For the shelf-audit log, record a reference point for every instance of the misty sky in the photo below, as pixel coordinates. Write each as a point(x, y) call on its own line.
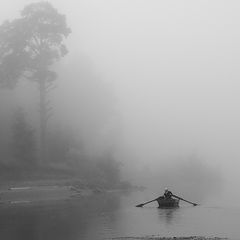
point(174, 66)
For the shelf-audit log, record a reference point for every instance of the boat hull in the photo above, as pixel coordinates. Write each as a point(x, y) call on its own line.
point(168, 203)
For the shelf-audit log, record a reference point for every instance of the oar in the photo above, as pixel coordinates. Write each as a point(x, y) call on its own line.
point(141, 205)
point(194, 204)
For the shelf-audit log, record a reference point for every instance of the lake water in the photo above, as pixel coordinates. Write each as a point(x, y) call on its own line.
point(113, 215)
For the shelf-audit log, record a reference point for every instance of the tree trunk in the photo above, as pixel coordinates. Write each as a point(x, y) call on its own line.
point(43, 121)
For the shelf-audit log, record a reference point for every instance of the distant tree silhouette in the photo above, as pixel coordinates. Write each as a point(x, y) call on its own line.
point(23, 142)
point(59, 143)
point(29, 46)
point(110, 168)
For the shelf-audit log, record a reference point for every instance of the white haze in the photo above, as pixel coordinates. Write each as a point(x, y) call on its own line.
point(174, 67)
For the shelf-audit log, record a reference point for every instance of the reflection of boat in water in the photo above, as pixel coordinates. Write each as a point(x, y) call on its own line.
point(168, 202)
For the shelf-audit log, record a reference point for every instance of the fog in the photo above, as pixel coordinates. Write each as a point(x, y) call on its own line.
point(159, 80)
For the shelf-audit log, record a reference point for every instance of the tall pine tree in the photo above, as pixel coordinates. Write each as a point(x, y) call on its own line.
point(29, 46)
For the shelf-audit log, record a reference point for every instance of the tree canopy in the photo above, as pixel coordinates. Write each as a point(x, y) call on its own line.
point(32, 43)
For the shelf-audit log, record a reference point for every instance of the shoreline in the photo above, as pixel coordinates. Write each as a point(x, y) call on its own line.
point(26, 192)
point(169, 238)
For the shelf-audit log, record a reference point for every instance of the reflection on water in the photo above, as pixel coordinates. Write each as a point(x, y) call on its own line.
point(112, 215)
point(55, 220)
point(168, 215)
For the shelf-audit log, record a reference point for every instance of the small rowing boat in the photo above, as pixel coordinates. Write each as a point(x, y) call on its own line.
point(168, 202)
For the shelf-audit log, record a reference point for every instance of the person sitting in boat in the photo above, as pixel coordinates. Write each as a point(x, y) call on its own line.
point(167, 194)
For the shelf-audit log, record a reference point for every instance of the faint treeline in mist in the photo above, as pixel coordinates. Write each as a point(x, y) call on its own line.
point(71, 137)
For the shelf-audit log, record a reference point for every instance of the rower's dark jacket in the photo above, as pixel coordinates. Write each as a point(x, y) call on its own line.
point(168, 194)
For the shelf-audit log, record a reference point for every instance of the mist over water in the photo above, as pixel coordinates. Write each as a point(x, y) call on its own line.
point(147, 87)
point(174, 74)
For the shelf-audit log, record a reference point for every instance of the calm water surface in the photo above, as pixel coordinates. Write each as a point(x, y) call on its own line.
point(113, 215)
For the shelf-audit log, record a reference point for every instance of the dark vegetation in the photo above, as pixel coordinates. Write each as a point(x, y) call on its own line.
point(30, 48)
